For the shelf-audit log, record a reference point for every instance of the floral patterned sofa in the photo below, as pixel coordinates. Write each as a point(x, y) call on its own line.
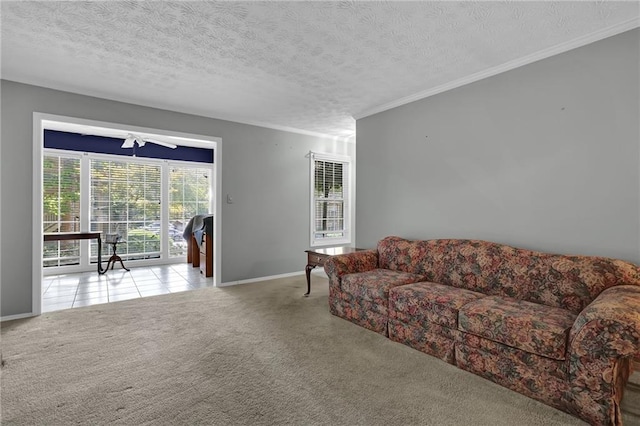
point(560, 329)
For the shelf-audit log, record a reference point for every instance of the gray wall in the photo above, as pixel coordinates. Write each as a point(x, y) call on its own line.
point(545, 157)
point(264, 232)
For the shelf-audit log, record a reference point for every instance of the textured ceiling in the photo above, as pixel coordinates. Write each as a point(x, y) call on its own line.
point(310, 66)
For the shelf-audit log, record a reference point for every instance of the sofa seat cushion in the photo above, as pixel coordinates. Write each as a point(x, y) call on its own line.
point(373, 286)
point(429, 302)
point(531, 327)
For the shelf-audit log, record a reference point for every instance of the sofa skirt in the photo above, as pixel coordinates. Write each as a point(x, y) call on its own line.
point(358, 314)
point(434, 339)
point(540, 384)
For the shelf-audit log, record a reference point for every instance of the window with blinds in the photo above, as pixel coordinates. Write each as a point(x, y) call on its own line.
point(61, 208)
point(125, 200)
point(329, 204)
point(146, 201)
point(189, 195)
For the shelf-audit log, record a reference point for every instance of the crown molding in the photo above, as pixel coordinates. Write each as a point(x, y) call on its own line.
point(507, 66)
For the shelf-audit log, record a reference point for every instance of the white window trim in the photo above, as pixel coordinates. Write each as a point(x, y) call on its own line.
point(347, 188)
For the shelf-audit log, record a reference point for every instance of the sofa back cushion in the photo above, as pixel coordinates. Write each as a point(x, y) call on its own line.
point(568, 282)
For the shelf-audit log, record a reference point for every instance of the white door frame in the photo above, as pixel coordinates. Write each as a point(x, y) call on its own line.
point(40, 121)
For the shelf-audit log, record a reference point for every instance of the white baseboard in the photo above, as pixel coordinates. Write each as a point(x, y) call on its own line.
point(254, 280)
point(17, 316)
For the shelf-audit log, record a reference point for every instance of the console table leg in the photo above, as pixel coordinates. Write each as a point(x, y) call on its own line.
point(100, 270)
point(308, 269)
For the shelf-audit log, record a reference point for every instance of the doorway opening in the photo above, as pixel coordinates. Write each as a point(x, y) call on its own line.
point(140, 185)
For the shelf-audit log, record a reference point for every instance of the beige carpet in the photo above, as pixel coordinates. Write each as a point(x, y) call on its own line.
point(256, 354)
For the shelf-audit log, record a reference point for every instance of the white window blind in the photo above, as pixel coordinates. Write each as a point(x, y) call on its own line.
point(125, 200)
point(330, 200)
point(61, 208)
point(148, 202)
point(189, 195)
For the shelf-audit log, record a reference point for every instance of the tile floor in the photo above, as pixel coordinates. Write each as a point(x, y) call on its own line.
point(88, 288)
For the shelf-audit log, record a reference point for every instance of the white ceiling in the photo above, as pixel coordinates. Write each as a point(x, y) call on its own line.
point(304, 66)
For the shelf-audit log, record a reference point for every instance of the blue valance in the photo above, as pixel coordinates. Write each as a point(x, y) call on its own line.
point(106, 145)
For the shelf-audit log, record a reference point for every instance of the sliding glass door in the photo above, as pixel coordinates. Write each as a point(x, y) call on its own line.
point(147, 202)
point(126, 200)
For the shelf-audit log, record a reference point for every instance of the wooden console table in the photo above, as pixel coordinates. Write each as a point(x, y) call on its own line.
point(66, 236)
point(317, 257)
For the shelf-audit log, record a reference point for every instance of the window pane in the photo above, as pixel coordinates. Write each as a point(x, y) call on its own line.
point(189, 195)
point(329, 199)
point(61, 208)
point(125, 200)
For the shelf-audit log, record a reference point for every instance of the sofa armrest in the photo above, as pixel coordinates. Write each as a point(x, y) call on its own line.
point(360, 261)
point(610, 326)
point(602, 341)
